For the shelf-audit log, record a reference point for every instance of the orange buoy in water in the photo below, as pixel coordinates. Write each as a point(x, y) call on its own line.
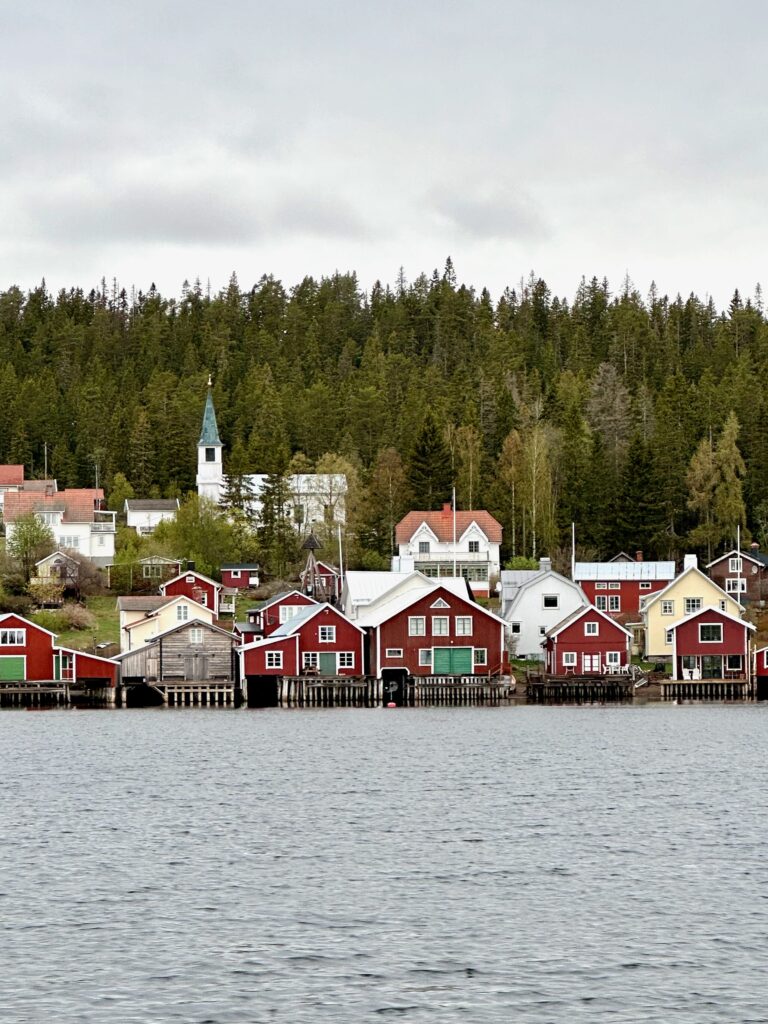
point(391, 704)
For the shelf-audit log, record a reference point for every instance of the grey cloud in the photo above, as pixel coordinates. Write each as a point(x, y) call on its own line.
point(490, 214)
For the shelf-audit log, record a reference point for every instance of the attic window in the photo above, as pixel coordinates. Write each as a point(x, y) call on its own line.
point(474, 546)
point(440, 603)
point(190, 579)
point(423, 547)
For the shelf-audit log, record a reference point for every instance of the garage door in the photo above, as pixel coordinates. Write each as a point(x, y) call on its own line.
point(12, 667)
point(452, 661)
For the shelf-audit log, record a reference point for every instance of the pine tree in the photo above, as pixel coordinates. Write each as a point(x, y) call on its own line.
point(429, 468)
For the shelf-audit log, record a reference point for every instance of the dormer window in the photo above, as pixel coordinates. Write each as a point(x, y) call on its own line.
point(423, 547)
point(474, 546)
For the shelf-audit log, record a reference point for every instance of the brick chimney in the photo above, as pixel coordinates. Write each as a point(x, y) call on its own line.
point(447, 510)
point(638, 556)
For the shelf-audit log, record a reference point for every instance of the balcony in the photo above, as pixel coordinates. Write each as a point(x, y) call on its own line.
point(448, 556)
point(103, 522)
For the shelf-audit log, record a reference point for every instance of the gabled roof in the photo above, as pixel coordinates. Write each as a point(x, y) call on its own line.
point(710, 609)
point(209, 434)
point(540, 577)
point(165, 602)
point(183, 575)
point(78, 504)
point(11, 476)
point(750, 556)
point(647, 600)
point(198, 623)
point(28, 623)
point(642, 571)
point(57, 554)
point(441, 524)
point(381, 611)
point(151, 504)
point(140, 602)
point(577, 614)
point(263, 605)
point(292, 625)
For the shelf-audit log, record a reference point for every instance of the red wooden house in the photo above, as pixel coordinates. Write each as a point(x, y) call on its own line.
point(587, 642)
point(194, 585)
point(30, 653)
point(240, 575)
point(265, 618)
point(710, 644)
point(618, 586)
point(741, 574)
point(318, 640)
point(433, 631)
point(760, 666)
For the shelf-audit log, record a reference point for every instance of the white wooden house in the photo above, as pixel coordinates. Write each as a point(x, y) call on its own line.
point(533, 603)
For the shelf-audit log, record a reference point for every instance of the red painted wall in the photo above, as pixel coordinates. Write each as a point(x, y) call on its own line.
point(628, 592)
point(348, 638)
point(192, 590)
point(734, 636)
point(486, 632)
point(88, 667)
point(38, 648)
point(255, 660)
point(270, 617)
point(574, 640)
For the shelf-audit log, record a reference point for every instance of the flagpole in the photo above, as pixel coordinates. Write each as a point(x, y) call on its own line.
point(453, 502)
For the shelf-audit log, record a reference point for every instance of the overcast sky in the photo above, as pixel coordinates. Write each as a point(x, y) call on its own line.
point(157, 140)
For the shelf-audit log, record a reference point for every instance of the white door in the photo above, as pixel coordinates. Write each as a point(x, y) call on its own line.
point(590, 662)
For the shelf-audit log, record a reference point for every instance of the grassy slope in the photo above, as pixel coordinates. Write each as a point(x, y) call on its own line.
point(107, 629)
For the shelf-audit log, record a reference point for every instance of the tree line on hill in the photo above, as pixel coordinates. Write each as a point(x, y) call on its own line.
point(641, 419)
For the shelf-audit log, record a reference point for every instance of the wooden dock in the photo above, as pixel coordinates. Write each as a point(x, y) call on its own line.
point(705, 691)
point(185, 693)
point(593, 689)
point(38, 695)
point(460, 691)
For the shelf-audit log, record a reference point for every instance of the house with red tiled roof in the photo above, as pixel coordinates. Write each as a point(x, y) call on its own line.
point(76, 518)
point(450, 542)
point(11, 479)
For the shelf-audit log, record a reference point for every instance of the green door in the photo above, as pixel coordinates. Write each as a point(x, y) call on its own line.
point(327, 664)
point(452, 661)
point(12, 668)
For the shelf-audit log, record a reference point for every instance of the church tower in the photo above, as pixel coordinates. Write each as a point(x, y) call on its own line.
point(210, 467)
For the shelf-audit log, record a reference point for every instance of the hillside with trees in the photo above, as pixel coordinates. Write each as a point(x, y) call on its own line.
point(638, 417)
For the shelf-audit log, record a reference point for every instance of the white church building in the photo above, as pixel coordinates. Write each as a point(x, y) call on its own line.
point(315, 497)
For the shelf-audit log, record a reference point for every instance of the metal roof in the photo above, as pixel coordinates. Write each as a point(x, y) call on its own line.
point(624, 571)
point(210, 431)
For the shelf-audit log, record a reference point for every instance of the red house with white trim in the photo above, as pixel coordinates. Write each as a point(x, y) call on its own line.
point(587, 642)
point(327, 576)
point(760, 666)
point(433, 630)
point(318, 640)
point(29, 653)
point(710, 644)
point(268, 616)
point(240, 575)
point(195, 586)
point(617, 587)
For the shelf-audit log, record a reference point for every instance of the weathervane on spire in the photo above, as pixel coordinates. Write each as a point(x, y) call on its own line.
point(210, 381)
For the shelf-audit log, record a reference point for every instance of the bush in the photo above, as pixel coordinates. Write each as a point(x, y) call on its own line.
point(77, 616)
point(20, 604)
point(49, 620)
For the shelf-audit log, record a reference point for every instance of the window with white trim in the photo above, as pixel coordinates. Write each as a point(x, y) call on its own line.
point(614, 603)
point(69, 541)
point(710, 632)
point(613, 658)
point(423, 547)
point(733, 662)
point(440, 603)
point(515, 629)
point(346, 659)
point(723, 605)
point(152, 571)
point(591, 629)
point(196, 635)
point(440, 625)
point(668, 636)
point(326, 635)
point(614, 586)
point(645, 586)
point(601, 602)
point(551, 600)
point(288, 611)
point(393, 652)
point(190, 579)
point(463, 625)
point(692, 604)
point(542, 630)
point(425, 656)
point(310, 659)
point(735, 564)
point(417, 625)
point(474, 546)
point(274, 659)
point(667, 607)
point(202, 598)
point(600, 586)
point(481, 655)
point(182, 613)
point(569, 659)
point(235, 574)
point(735, 585)
point(13, 637)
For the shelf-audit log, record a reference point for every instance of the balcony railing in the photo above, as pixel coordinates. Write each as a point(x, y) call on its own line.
point(448, 556)
point(103, 528)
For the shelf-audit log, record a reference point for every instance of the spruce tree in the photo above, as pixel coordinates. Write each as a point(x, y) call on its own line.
point(429, 469)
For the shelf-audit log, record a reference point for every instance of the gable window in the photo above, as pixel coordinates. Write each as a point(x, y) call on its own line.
point(645, 586)
point(481, 655)
point(346, 659)
point(668, 636)
point(210, 454)
point(591, 629)
point(327, 634)
point(394, 652)
point(735, 564)
point(287, 611)
point(735, 585)
point(710, 632)
point(423, 547)
point(13, 637)
point(463, 625)
point(667, 607)
point(474, 546)
point(601, 602)
point(274, 659)
point(190, 579)
point(417, 625)
point(196, 636)
point(551, 601)
point(425, 656)
point(203, 599)
point(440, 625)
point(692, 604)
point(614, 603)
point(182, 613)
point(569, 659)
point(440, 603)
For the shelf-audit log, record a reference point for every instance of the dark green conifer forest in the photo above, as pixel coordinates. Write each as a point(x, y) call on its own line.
point(641, 418)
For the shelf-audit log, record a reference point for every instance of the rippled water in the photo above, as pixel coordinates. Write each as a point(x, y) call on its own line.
point(457, 865)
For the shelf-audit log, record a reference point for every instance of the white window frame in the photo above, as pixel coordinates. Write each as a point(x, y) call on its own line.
point(614, 602)
point(273, 659)
point(441, 625)
point(235, 574)
point(463, 625)
point(326, 635)
point(668, 636)
point(734, 668)
point(481, 656)
point(151, 571)
point(182, 613)
point(203, 600)
point(711, 625)
point(423, 547)
point(310, 659)
point(196, 635)
point(613, 658)
point(516, 628)
point(601, 602)
point(735, 564)
point(393, 652)
point(570, 659)
point(550, 597)
point(591, 629)
point(735, 585)
point(13, 637)
point(601, 586)
point(542, 630)
point(417, 625)
point(614, 586)
point(645, 585)
point(190, 579)
point(474, 547)
point(692, 605)
point(425, 656)
point(345, 659)
point(667, 607)
point(287, 611)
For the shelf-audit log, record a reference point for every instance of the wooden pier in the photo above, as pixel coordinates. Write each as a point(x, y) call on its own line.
point(454, 690)
point(38, 695)
point(592, 689)
point(328, 691)
point(706, 690)
point(201, 694)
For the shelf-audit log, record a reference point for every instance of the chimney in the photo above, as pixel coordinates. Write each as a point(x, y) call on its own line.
point(447, 510)
point(638, 556)
point(754, 546)
point(545, 564)
point(690, 562)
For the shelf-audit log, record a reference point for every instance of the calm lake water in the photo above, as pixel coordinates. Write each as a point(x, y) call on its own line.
point(453, 865)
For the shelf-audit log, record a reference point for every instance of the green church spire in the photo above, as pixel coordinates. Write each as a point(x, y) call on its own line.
point(210, 432)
